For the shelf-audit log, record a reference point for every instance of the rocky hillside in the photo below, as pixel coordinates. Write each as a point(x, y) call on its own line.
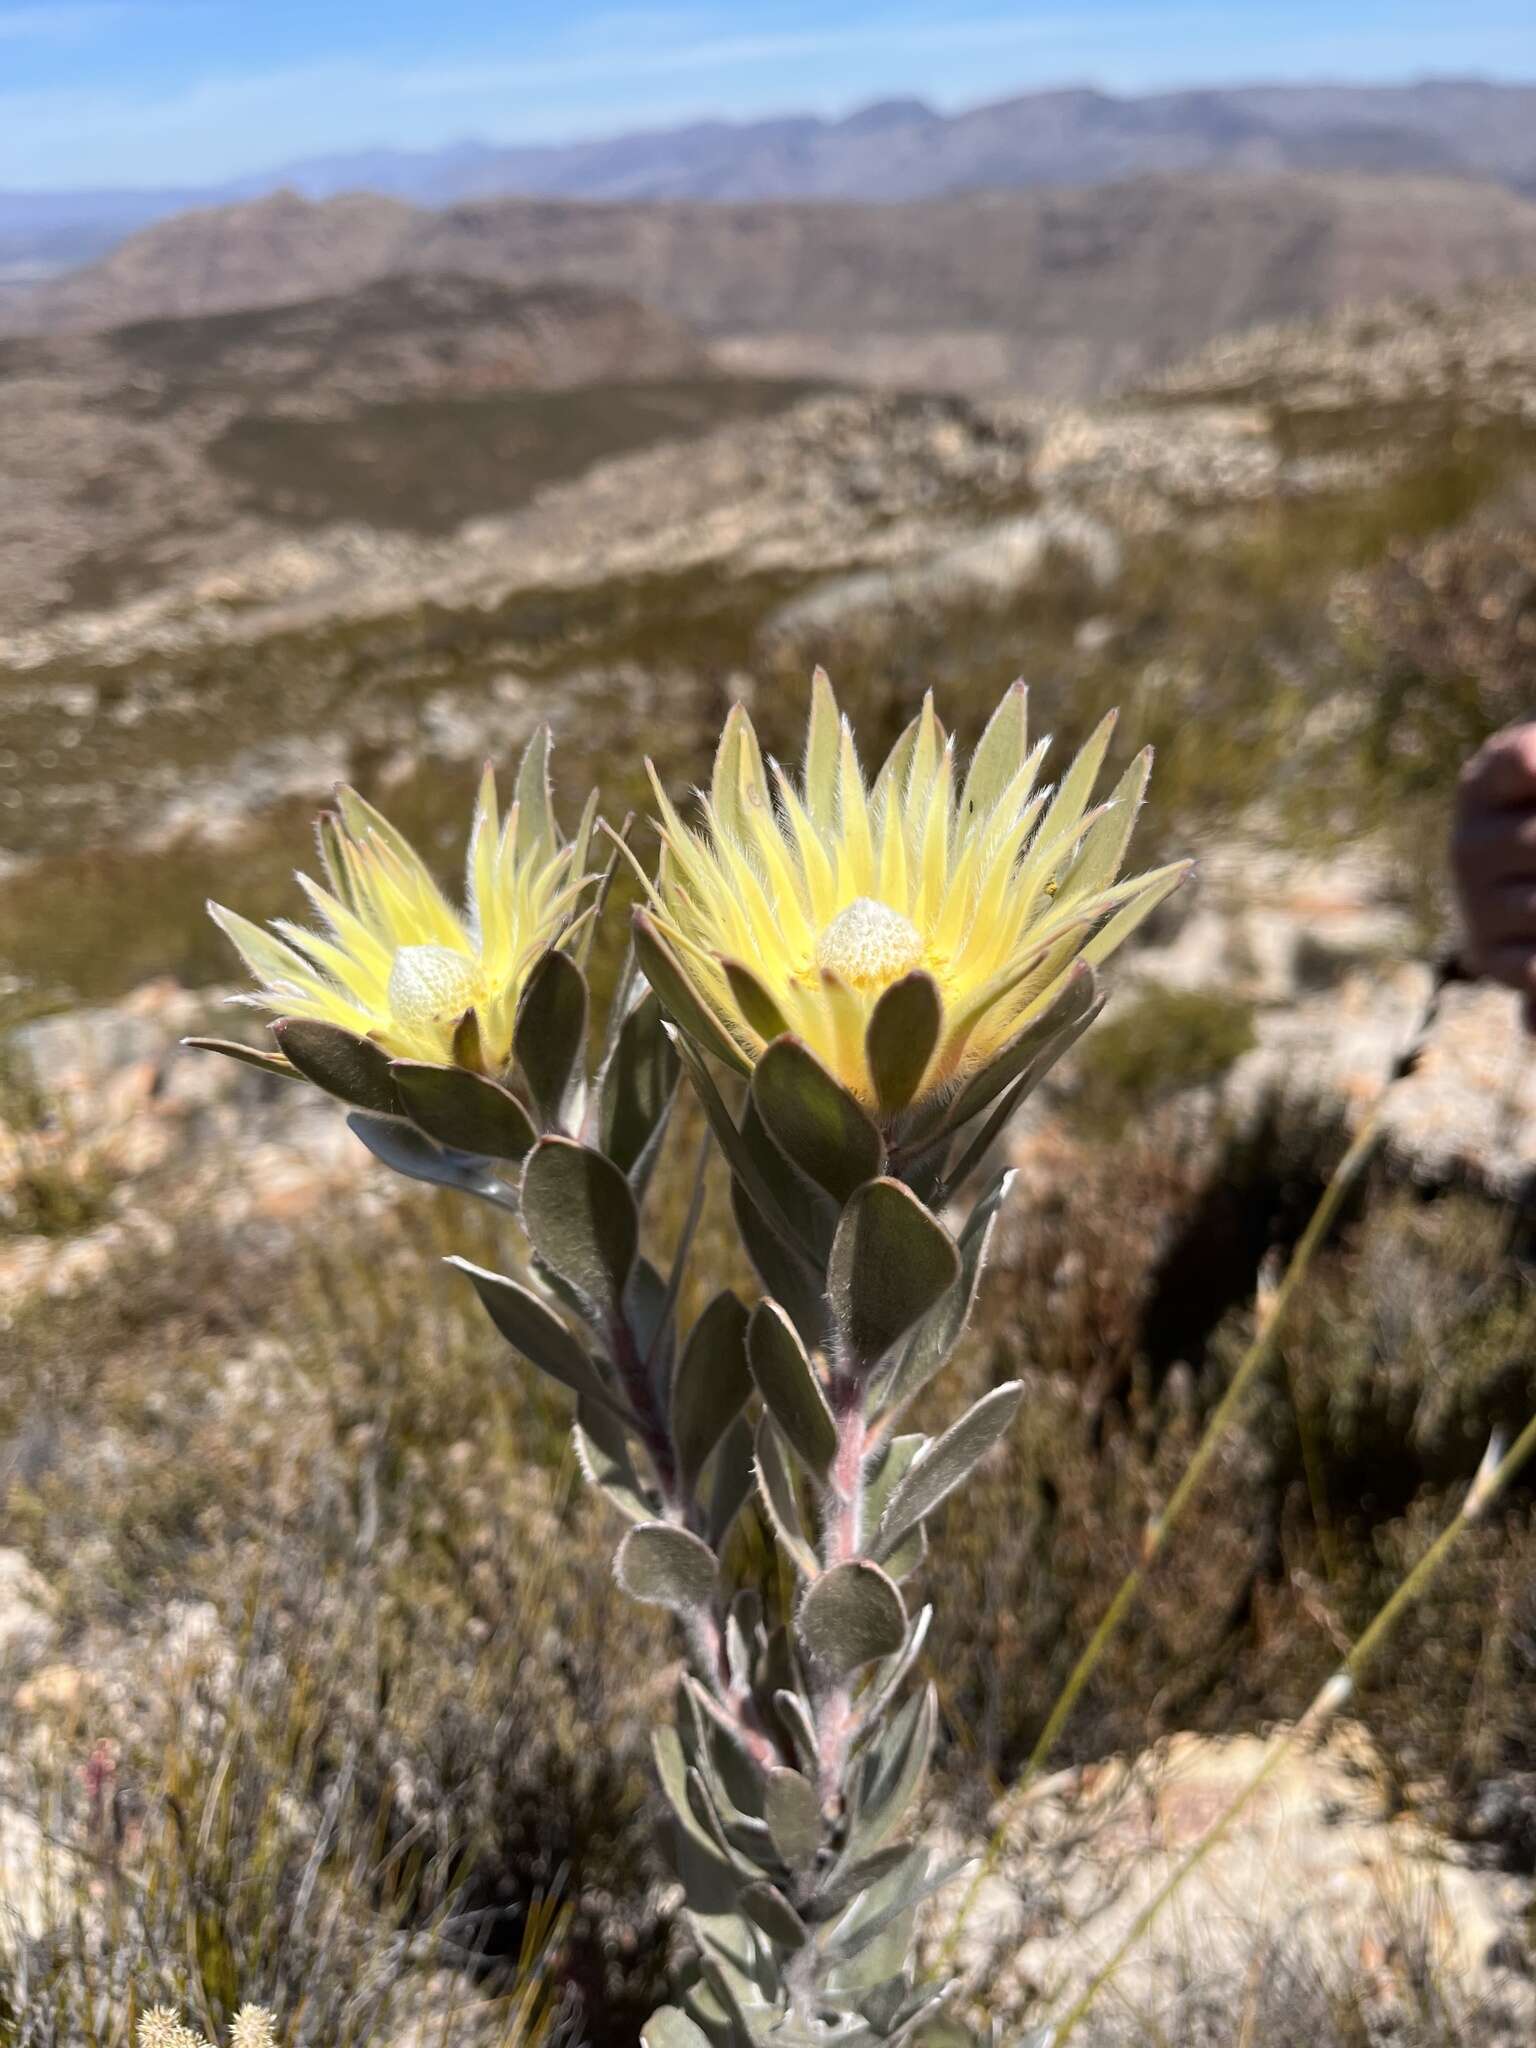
point(270, 1581)
point(1053, 292)
point(415, 402)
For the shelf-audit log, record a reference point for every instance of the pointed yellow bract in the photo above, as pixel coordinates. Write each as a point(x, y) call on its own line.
point(394, 961)
point(796, 906)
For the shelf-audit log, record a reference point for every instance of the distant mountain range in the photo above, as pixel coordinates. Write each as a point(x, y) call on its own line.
point(895, 150)
point(1057, 293)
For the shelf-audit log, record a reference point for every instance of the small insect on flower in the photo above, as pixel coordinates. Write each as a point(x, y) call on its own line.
point(904, 931)
point(395, 962)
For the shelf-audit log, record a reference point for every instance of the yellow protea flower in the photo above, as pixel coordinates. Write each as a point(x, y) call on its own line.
point(796, 908)
point(395, 962)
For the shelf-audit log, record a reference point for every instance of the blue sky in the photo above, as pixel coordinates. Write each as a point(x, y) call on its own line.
point(149, 92)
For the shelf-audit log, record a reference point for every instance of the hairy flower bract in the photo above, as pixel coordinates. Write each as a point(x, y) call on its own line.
point(796, 905)
point(394, 960)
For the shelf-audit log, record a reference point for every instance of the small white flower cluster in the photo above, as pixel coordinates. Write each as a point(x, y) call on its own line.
point(254, 2027)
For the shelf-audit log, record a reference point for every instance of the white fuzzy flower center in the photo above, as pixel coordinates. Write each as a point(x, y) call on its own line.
point(431, 986)
point(869, 945)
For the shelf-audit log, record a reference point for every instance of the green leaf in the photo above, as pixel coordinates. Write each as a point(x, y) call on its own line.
point(946, 1464)
point(768, 1908)
point(539, 1336)
point(903, 1031)
point(787, 1381)
point(932, 1343)
point(792, 1810)
point(667, 1567)
point(604, 1461)
point(991, 1128)
point(850, 1616)
point(753, 1000)
point(745, 1167)
point(581, 1220)
point(798, 1726)
point(712, 1385)
point(786, 1274)
point(840, 1887)
point(888, 1779)
point(776, 1491)
point(249, 1055)
point(464, 1111)
point(339, 1062)
point(675, 991)
point(667, 2027)
point(639, 1081)
point(891, 1261)
point(551, 1031)
point(411, 1153)
point(819, 1125)
point(731, 1481)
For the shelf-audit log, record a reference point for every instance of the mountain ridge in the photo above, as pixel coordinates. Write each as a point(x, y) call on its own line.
point(888, 150)
point(1062, 291)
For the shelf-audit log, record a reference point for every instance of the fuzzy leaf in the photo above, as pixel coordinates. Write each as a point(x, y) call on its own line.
point(888, 1779)
point(1070, 1001)
point(903, 1031)
point(412, 1154)
point(339, 1062)
point(602, 1456)
point(785, 1273)
point(787, 1381)
point(932, 1343)
point(550, 1031)
point(776, 1491)
point(852, 1615)
point(712, 1385)
point(840, 1888)
point(793, 1813)
point(754, 1001)
point(768, 1908)
point(539, 1336)
point(998, 757)
point(891, 1261)
point(677, 996)
point(796, 1717)
point(581, 1219)
point(731, 1479)
point(820, 1127)
point(946, 1464)
point(639, 1081)
point(464, 1111)
point(819, 771)
point(666, 1567)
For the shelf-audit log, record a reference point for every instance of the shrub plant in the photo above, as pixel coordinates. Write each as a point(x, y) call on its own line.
point(862, 981)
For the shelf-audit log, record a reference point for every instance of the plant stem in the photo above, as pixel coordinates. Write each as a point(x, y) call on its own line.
point(1490, 1482)
point(842, 1536)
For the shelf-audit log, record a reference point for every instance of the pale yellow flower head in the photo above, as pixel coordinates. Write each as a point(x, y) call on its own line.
point(393, 960)
point(797, 905)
